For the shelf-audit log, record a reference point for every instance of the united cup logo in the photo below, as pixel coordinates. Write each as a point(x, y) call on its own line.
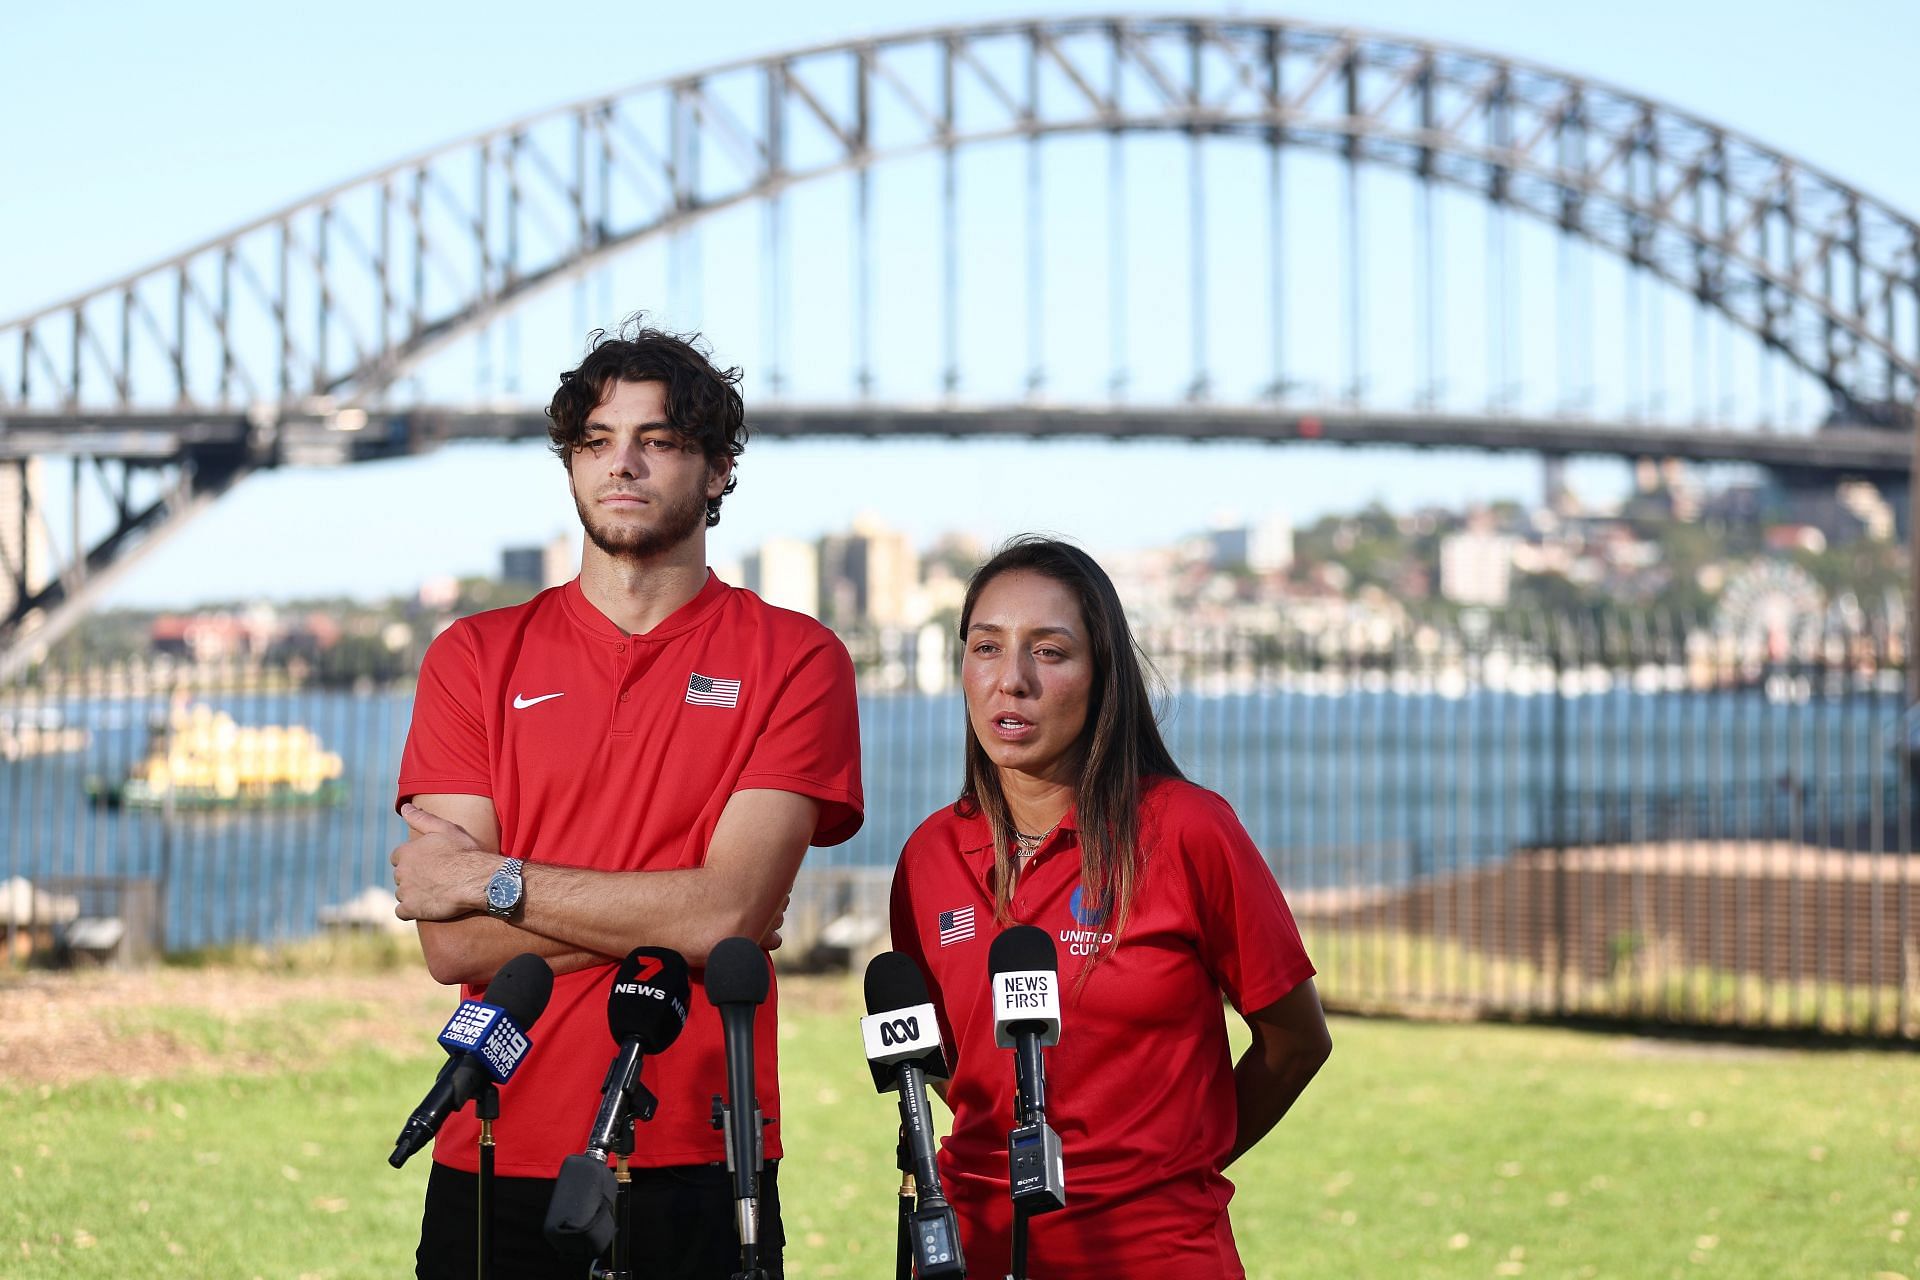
point(900, 1031)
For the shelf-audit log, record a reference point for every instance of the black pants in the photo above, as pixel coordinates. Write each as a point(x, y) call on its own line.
point(683, 1226)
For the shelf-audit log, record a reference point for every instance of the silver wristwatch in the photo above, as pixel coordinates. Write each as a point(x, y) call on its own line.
point(506, 891)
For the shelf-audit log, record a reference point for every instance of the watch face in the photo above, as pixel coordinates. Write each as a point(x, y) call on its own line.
point(502, 891)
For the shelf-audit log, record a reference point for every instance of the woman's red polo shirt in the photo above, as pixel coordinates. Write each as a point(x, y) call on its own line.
point(1140, 1087)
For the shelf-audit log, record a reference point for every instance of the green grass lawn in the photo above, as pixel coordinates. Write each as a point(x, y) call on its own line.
point(1422, 1150)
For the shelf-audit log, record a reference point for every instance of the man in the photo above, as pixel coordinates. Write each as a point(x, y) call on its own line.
point(641, 756)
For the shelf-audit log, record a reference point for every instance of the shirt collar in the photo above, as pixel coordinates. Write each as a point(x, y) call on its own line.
point(976, 833)
point(601, 627)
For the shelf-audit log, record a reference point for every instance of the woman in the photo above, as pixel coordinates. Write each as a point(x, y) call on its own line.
point(1074, 818)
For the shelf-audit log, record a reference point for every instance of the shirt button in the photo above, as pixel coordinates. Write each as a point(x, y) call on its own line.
point(625, 694)
point(619, 648)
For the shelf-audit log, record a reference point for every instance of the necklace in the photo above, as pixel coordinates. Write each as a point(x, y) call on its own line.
point(1028, 845)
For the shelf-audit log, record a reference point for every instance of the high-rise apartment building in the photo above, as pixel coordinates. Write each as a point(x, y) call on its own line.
point(785, 572)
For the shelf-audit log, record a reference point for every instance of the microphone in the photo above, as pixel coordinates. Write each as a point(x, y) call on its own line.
point(1026, 1017)
point(646, 1011)
point(737, 981)
point(902, 1036)
point(487, 1039)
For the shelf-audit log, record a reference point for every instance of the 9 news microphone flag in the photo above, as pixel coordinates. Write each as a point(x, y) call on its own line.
point(487, 1040)
point(646, 1011)
point(902, 1035)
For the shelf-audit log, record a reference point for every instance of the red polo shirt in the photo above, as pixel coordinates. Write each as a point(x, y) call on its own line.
point(617, 752)
point(1140, 1087)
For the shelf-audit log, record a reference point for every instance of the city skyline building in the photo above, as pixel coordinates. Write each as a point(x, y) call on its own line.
point(25, 550)
point(870, 572)
point(785, 572)
point(1476, 566)
point(548, 564)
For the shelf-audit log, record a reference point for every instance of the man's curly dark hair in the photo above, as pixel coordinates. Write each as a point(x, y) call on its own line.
point(703, 403)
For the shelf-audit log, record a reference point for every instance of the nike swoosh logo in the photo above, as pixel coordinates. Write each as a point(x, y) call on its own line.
point(521, 703)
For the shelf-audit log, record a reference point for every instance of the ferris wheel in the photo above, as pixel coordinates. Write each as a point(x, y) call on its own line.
point(1772, 607)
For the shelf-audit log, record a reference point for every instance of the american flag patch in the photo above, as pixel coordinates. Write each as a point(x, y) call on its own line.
point(705, 691)
point(956, 926)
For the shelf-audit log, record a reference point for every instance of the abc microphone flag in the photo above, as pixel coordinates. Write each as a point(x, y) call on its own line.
point(902, 1038)
point(901, 1035)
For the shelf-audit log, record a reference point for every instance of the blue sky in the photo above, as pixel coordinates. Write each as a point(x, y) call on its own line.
point(136, 130)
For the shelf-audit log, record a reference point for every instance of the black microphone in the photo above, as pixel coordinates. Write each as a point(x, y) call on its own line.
point(737, 981)
point(646, 1011)
point(902, 1035)
point(1026, 1018)
point(487, 1040)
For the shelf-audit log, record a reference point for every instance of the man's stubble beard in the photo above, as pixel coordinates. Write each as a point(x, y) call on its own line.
point(679, 520)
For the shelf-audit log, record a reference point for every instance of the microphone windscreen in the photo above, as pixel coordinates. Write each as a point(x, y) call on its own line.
point(738, 972)
point(580, 1215)
point(648, 1000)
point(894, 982)
point(1022, 949)
point(522, 987)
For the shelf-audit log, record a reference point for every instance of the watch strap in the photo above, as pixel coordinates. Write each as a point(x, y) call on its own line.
point(514, 869)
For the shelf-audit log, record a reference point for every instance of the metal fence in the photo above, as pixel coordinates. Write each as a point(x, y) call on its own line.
point(1639, 823)
point(197, 805)
point(1632, 821)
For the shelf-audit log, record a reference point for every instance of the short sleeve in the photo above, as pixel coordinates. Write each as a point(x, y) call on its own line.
point(906, 939)
point(910, 942)
point(1246, 934)
point(446, 747)
point(811, 745)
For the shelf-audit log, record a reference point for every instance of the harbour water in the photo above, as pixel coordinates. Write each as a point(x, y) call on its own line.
point(1363, 786)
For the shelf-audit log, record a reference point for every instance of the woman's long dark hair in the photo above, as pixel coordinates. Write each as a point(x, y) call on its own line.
point(1119, 747)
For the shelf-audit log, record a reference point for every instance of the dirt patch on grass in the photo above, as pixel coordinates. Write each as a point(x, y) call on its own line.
point(59, 1029)
point(832, 994)
point(62, 1028)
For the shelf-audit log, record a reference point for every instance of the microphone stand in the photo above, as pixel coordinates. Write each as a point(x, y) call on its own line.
point(487, 1108)
point(1031, 1086)
point(636, 1103)
point(903, 1262)
point(1026, 1062)
point(623, 1211)
point(622, 1206)
point(1019, 1243)
point(747, 1211)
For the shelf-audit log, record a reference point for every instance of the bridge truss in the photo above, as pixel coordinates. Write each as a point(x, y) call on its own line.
point(304, 335)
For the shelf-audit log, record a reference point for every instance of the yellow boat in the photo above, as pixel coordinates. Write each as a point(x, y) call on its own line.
point(202, 759)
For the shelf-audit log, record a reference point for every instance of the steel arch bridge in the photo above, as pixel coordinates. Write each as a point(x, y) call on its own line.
point(295, 336)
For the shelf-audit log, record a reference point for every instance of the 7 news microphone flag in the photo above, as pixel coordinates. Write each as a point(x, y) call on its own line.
point(487, 1040)
point(737, 980)
point(902, 1035)
point(1026, 1017)
point(646, 1011)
